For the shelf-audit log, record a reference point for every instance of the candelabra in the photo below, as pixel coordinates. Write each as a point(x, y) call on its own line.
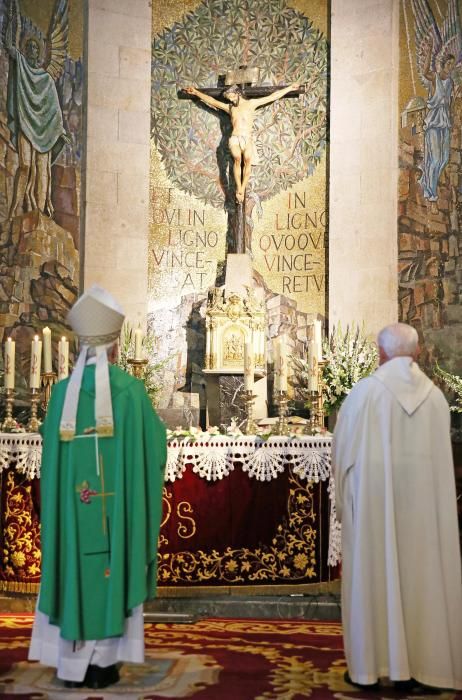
point(48, 379)
point(281, 401)
point(138, 368)
point(250, 427)
point(9, 421)
point(34, 423)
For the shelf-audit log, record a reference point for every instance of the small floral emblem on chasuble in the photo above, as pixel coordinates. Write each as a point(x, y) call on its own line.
point(85, 492)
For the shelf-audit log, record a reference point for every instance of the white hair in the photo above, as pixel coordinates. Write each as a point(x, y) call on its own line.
point(398, 339)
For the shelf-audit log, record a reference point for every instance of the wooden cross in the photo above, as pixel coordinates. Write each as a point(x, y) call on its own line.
point(244, 77)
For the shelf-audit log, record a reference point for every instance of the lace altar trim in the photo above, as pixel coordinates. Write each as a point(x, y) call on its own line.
point(24, 450)
point(215, 457)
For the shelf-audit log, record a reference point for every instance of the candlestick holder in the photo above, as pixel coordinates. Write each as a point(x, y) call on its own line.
point(281, 401)
point(34, 423)
point(138, 367)
point(48, 379)
point(312, 426)
point(9, 423)
point(250, 427)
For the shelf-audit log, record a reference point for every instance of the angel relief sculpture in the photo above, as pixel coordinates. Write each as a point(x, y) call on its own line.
point(439, 51)
point(35, 117)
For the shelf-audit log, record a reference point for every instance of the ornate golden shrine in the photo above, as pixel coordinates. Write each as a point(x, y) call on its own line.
point(231, 322)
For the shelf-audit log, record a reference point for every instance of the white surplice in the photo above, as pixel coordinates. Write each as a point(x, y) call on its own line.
point(396, 499)
point(71, 659)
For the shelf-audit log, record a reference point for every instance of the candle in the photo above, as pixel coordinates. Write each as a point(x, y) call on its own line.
point(280, 364)
point(63, 358)
point(248, 367)
point(312, 367)
point(283, 363)
point(138, 343)
point(261, 346)
point(35, 363)
point(317, 337)
point(9, 364)
point(47, 368)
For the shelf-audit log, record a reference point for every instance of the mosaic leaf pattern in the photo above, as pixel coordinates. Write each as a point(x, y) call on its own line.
point(290, 135)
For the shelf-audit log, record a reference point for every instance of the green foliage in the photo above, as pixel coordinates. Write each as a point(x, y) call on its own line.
point(454, 382)
point(152, 375)
point(349, 357)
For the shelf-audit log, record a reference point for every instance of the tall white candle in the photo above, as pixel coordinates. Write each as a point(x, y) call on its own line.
point(261, 346)
point(63, 358)
point(313, 384)
point(275, 353)
point(9, 363)
point(138, 343)
point(249, 367)
point(317, 337)
point(35, 363)
point(282, 363)
point(47, 367)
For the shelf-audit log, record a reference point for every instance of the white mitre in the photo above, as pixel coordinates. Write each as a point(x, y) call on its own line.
point(97, 319)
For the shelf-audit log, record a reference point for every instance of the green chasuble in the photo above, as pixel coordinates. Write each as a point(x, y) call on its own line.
point(101, 500)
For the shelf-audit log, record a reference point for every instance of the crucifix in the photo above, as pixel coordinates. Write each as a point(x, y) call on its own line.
point(243, 100)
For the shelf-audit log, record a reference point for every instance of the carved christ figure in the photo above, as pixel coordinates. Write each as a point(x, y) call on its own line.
point(242, 115)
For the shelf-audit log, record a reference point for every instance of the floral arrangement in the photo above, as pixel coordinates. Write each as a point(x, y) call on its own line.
point(349, 357)
point(152, 379)
point(16, 428)
point(454, 382)
point(190, 434)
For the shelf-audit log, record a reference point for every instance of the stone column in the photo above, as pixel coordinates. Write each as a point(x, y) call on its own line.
point(116, 195)
point(363, 276)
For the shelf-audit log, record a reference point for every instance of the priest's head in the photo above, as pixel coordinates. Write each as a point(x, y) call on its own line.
point(397, 340)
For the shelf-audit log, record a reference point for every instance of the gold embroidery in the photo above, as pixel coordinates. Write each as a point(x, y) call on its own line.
point(184, 531)
point(290, 557)
point(21, 535)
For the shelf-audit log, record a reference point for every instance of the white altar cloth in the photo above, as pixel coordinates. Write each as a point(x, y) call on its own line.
point(213, 457)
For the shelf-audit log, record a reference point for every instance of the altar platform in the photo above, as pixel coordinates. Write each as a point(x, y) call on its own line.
point(242, 517)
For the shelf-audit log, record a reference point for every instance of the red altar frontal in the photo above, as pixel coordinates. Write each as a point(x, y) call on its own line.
point(238, 512)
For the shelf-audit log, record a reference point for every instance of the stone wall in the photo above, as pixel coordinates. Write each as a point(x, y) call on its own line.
point(363, 163)
point(118, 151)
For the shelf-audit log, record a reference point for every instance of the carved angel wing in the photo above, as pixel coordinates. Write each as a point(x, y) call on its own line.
point(427, 36)
point(11, 26)
point(451, 33)
point(57, 39)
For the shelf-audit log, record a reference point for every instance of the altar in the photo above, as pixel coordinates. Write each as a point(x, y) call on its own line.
point(240, 513)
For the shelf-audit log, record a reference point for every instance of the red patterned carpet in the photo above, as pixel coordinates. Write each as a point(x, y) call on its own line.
point(214, 659)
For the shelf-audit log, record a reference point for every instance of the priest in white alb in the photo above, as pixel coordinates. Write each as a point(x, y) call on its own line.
point(396, 499)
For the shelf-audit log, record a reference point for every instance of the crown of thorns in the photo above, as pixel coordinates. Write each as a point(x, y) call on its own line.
point(232, 90)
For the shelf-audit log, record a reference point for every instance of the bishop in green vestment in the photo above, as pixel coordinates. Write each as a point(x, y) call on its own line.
point(101, 509)
point(103, 460)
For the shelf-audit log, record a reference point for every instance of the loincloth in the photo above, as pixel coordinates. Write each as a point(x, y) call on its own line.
point(245, 144)
point(236, 140)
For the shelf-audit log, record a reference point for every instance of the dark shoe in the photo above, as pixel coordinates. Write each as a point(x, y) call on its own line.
point(98, 677)
point(413, 687)
point(73, 684)
point(363, 686)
